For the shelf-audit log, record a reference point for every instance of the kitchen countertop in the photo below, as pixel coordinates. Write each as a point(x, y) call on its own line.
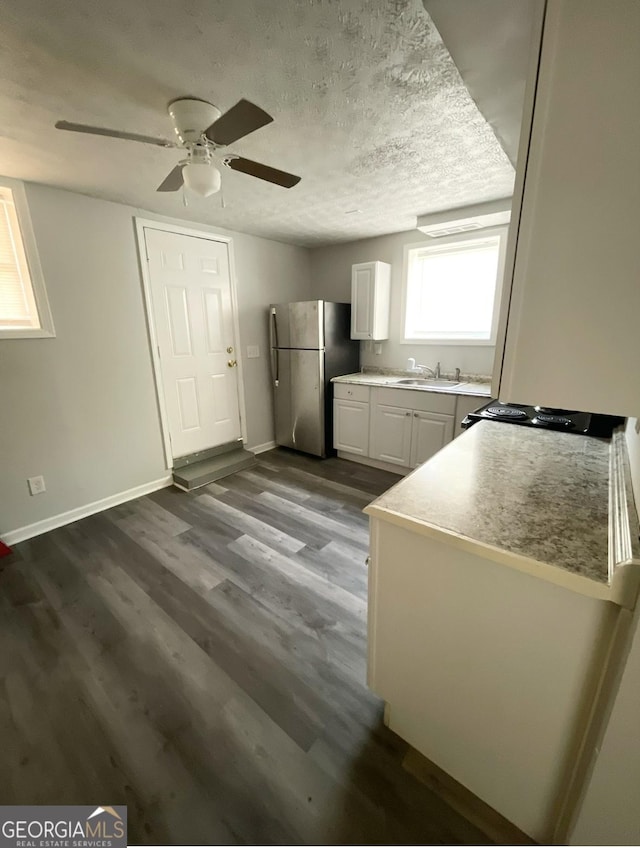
point(390, 381)
point(537, 500)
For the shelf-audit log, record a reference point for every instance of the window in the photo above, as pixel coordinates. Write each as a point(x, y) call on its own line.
point(452, 290)
point(24, 309)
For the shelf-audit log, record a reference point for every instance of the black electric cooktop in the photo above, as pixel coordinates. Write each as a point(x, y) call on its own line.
point(544, 417)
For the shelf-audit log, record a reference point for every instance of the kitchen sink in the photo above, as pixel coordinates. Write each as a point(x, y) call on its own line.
point(428, 384)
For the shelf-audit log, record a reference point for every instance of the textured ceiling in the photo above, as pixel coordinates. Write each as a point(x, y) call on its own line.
point(369, 108)
point(490, 43)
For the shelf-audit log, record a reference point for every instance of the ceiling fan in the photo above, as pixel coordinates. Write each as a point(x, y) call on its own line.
point(202, 131)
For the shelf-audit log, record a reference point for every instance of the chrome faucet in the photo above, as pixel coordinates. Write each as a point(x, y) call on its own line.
point(435, 372)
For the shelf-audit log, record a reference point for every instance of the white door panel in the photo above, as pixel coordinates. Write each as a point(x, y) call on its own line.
point(351, 426)
point(192, 313)
point(391, 434)
point(431, 432)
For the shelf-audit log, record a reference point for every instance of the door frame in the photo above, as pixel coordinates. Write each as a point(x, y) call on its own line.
point(148, 223)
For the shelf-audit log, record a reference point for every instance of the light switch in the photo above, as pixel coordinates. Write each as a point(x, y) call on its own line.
point(253, 352)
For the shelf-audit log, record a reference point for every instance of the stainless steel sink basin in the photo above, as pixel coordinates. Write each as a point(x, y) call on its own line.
point(428, 384)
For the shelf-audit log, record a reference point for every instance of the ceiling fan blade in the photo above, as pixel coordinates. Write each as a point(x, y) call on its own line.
point(173, 181)
point(262, 172)
point(240, 120)
point(83, 128)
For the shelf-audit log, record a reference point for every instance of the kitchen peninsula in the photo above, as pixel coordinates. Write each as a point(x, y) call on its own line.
point(502, 575)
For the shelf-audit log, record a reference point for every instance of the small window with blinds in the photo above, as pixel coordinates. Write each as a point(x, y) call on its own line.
point(452, 290)
point(24, 310)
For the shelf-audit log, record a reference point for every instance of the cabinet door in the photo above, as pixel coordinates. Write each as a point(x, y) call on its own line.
point(351, 426)
point(362, 294)
point(429, 433)
point(572, 330)
point(391, 434)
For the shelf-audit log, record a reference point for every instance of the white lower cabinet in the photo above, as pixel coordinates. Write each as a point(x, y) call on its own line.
point(429, 433)
point(391, 434)
point(395, 427)
point(407, 428)
point(486, 671)
point(351, 426)
point(351, 418)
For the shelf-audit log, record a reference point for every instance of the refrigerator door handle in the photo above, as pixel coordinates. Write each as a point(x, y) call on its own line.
point(273, 333)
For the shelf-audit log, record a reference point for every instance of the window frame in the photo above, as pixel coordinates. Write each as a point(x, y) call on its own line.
point(46, 329)
point(439, 244)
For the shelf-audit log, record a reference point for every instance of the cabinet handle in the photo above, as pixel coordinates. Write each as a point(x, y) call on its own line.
point(407, 413)
point(415, 414)
point(367, 561)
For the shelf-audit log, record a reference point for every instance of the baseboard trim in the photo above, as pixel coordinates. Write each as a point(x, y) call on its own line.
point(37, 528)
point(375, 463)
point(494, 825)
point(262, 448)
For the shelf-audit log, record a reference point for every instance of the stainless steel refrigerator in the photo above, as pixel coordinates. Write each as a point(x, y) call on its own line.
point(310, 344)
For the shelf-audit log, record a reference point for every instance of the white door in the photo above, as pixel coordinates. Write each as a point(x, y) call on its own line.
point(391, 434)
point(192, 313)
point(351, 426)
point(430, 433)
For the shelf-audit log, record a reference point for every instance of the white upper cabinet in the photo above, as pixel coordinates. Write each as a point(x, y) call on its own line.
point(573, 321)
point(370, 294)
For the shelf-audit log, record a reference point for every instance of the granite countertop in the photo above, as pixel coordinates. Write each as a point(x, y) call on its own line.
point(391, 381)
point(538, 500)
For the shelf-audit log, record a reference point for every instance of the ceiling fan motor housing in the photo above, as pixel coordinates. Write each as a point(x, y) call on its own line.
point(191, 118)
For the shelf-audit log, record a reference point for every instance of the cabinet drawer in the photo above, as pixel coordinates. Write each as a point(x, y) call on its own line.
point(351, 391)
point(420, 400)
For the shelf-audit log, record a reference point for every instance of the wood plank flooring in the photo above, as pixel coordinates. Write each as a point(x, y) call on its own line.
point(201, 658)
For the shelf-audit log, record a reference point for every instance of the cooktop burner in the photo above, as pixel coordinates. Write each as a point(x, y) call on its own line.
point(549, 410)
point(542, 419)
point(510, 412)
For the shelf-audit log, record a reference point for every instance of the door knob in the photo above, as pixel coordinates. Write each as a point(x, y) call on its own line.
point(232, 363)
point(229, 349)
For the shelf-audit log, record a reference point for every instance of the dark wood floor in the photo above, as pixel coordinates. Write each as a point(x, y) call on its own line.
point(201, 658)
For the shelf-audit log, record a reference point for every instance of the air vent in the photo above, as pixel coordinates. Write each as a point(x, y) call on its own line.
point(495, 213)
point(451, 231)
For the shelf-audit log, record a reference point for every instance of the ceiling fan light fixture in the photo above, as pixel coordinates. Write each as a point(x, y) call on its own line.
point(201, 178)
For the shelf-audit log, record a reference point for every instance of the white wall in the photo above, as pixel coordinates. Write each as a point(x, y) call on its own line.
point(331, 280)
point(81, 408)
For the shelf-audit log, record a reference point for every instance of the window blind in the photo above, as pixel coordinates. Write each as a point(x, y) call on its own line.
point(17, 302)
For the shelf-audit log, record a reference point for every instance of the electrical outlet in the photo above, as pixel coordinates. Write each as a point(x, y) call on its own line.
point(253, 352)
point(36, 485)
